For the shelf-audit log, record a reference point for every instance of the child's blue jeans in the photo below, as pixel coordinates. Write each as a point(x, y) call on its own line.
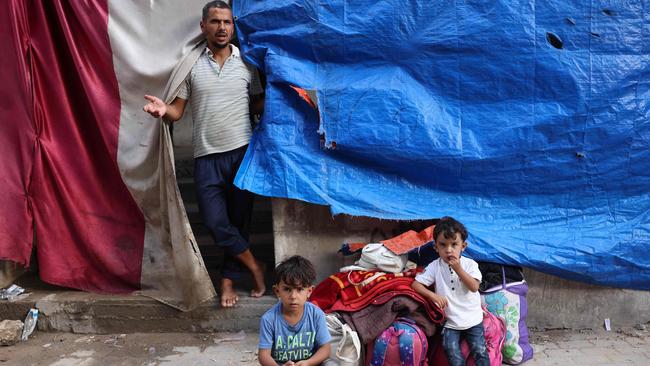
point(475, 338)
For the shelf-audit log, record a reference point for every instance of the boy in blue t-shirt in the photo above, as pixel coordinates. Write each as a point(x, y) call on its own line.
point(294, 331)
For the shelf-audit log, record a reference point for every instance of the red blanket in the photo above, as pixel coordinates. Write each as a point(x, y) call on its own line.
point(352, 291)
point(349, 286)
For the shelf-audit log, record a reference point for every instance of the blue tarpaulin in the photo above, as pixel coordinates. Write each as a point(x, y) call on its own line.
point(526, 120)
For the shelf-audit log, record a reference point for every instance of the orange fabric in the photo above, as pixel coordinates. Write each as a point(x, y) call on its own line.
point(356, 246)
point(303, 94)
point(409, 240)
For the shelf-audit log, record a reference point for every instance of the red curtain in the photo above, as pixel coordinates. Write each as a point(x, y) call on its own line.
point(59, 138)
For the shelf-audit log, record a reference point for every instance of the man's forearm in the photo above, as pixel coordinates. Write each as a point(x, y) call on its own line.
point(175, 110)
point(173, 113)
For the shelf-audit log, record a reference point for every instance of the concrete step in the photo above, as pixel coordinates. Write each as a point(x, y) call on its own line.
point(257, 232)
point(258, 241)
point(65, 310)
point(261, 222)
point(261, 226)
point(262, 249)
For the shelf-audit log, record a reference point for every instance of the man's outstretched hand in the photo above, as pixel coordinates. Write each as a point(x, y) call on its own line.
point(156, 107)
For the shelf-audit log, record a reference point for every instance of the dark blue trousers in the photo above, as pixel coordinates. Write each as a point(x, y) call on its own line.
point(475, 337)
point(226, 209)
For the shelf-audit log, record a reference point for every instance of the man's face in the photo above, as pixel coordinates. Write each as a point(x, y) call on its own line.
point(449, 248)
point(218, 27)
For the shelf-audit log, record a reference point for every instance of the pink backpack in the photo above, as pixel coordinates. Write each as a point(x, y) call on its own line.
point(402, 343)
point(495, 337)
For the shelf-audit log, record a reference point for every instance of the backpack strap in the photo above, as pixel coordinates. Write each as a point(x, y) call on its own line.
point(381, 344)
point(406, 347)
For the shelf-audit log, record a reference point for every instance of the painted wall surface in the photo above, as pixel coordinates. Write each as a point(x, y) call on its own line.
point(311, 231)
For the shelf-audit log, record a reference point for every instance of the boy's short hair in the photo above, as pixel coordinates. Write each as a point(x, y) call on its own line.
point(448, 226)
point(214, 4)
point(295, 271)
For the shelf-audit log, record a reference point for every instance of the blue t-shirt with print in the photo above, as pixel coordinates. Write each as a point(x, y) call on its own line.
point(293, 343)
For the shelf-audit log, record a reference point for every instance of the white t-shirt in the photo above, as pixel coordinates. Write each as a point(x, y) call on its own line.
point(463, 306)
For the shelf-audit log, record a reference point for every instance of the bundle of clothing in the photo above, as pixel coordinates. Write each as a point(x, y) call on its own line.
point(374, 300)
point(370, 301)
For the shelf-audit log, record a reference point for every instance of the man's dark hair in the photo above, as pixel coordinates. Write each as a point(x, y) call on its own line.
point(295, 271)
point(448, 226)
point(214, 4)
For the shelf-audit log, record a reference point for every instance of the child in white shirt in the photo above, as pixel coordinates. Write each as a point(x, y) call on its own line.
point(456, 280)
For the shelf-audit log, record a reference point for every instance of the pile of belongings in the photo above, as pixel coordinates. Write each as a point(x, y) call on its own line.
point(375, 317)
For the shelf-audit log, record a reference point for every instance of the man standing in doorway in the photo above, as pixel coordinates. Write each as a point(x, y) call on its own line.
point(221, 88)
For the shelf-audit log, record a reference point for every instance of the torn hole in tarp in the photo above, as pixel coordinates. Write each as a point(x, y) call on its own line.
point(554, 40)
point(311, 98)
point(308, 96)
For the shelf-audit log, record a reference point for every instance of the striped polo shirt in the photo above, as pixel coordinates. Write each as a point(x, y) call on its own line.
point(219, 98)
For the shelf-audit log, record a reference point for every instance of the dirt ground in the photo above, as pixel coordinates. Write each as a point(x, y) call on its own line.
point(629, 346)
point(67, 349)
